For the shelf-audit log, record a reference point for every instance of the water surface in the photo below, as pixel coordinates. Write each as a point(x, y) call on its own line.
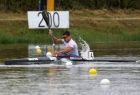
point(54, 79)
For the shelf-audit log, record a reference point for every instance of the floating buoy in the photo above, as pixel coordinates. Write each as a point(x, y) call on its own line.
point(92, 71)
point(105, 82)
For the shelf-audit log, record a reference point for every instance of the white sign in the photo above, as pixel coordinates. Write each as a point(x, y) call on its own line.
point(58, 19)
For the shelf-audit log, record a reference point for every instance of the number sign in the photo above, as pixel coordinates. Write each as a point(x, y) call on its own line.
point(57, 19)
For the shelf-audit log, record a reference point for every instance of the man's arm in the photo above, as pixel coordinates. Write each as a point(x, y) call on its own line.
point(66, 50)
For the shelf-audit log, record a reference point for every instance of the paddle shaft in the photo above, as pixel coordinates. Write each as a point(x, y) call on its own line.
point(46, 16)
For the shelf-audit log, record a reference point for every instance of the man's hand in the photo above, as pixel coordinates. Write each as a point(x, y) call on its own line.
point(57, 53)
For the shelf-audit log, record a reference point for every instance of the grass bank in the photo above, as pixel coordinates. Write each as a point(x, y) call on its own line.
point(17, 32)
point(98, 26)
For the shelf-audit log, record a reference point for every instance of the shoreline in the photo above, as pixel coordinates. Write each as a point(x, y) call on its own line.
point(93, 25)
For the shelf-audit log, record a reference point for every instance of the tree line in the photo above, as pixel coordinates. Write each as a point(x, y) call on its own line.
point(25, 5)
point(100, 4)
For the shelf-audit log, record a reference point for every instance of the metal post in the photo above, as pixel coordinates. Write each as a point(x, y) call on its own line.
point(41, 5)
point(50, 5)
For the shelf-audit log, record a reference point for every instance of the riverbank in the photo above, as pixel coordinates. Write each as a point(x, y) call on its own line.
point(97, 26)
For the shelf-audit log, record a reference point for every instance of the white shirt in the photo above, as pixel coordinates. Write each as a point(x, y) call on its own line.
point(73, 45)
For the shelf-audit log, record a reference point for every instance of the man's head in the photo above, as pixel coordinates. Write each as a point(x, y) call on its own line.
point(66, 36)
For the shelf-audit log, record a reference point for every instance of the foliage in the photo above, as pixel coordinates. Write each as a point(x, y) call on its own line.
point(24, 5)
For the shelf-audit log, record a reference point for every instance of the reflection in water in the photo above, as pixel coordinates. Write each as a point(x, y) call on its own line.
point(9, 51)
point(105, 87)
point(59, 80)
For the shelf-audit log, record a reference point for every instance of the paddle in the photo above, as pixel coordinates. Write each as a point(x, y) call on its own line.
point(47, 17)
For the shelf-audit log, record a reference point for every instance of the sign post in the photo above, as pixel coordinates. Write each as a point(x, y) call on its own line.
point(50, 5)
point(41, 5)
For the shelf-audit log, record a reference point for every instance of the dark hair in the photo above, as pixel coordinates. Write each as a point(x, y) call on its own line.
point(66, 33)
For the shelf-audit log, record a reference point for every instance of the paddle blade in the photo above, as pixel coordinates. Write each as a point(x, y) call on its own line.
point(46, 17)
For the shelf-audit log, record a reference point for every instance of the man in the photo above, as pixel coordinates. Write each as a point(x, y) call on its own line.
point(70, 46)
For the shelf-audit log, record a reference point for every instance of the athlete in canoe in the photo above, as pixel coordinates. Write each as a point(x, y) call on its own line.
point(70, 46)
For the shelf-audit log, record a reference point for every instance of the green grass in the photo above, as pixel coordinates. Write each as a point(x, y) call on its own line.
point(18, 32)
point(109, 34)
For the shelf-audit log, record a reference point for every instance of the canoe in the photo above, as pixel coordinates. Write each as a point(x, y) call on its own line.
point(48, 60)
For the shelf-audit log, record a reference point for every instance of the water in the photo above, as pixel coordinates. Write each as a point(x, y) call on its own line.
point(54, 79)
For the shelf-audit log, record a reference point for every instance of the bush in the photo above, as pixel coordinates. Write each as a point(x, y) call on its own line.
point(25, 5)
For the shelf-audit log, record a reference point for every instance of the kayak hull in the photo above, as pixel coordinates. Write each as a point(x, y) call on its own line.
point(45, 60)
